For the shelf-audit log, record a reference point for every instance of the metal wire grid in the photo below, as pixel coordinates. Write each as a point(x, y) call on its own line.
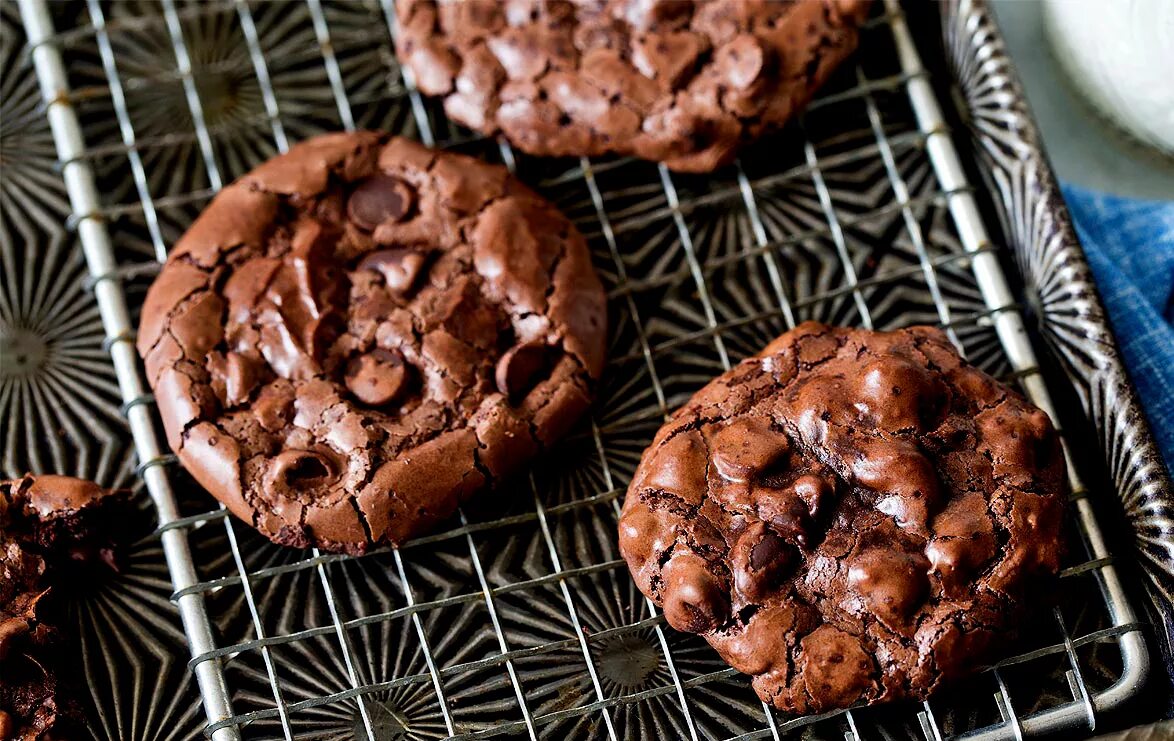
point(192, 592)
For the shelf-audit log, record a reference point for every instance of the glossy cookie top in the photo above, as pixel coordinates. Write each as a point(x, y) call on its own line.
point(680, 82)
point(850, 516)
point(360, 333)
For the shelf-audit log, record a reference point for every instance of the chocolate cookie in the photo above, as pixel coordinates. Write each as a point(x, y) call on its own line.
point(680, 82)
point(849, 517)
point(359, 334)
point(48, 524)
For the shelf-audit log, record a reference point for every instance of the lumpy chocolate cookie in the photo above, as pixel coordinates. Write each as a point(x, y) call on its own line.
point(850, 516)
point(359, 334)
point(48, 524)
point(680, 82)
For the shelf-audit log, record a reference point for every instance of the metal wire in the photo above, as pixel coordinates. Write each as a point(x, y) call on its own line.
point(931, 137)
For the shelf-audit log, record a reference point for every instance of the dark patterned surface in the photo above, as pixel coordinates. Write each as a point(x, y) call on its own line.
point(58, 394)
point(693, 288)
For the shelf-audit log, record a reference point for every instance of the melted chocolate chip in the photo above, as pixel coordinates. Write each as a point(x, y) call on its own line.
point(301, 470)
point(378, 199)
point(785, 513)
point(742, 61)
point(377, 377)
point(747, 447)
point(520, 368)
point(815, 492)
point(759, 560)
point(273, 408)
point(769, 550)
point(892, 583)
point(399, 267)
point(242, 375)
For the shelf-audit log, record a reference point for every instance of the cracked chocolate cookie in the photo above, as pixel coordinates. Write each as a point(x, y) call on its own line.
point(361, 333)
point(850, 516)
point(48, 525)
point(684, 83)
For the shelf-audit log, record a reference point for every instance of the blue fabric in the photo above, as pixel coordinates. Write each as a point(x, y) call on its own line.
point(1130, 247)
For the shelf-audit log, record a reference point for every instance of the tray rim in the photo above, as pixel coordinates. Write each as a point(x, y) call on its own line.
point(1146, 472)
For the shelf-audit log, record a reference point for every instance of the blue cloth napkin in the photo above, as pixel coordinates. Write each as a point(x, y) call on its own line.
point(1130, 247)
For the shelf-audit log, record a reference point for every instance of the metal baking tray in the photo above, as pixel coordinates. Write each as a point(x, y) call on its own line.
point(913, 190)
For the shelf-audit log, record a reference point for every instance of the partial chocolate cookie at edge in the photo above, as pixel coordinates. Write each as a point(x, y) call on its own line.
point(850, 516)
point(48, 525)
point(684, 83)
point(361, 333)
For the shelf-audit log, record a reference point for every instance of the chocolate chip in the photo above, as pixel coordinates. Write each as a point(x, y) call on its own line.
point(694, 600)
point(815, 491)
point(759, 560)
point(767, 551)
point(742, 61)
point(377, 377)
point(273, 408)
point(300, 470)
point(955, 560)
point(786, 514)
point(519, 368)
point(242, 374)
point(892, 583)
point(746, 447)
point(399, 267)
point(379, 198)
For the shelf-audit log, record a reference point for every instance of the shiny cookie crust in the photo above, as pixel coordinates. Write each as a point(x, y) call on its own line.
point(361, 333)
point(849, 517)
point(680, 82)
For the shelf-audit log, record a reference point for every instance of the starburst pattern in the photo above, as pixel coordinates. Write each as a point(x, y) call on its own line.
point(58, 394)
point(132, 651)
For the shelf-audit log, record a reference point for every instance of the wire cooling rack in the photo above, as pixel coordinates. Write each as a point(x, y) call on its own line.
point(518, 617)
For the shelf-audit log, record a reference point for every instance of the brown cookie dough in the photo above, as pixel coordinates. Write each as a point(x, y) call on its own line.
point(850, 516)
point(45, 523)
point(360, 333)
point(680, 82)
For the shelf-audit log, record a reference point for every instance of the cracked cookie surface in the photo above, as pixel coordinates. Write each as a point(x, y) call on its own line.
point(680, 82)
point(850, 516)
point(361, 333)
point(48, 525)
